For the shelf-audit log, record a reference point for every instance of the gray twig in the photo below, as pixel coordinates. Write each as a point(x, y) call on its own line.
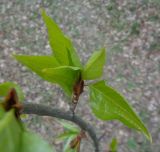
point(42, 110)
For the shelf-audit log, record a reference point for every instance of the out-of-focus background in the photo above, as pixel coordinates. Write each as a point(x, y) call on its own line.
point(129, 30)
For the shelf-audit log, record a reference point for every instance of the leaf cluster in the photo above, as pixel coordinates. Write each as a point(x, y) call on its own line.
point(14, 137)
point(63, 67)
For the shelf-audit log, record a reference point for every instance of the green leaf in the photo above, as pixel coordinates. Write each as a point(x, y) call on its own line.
point(38, 63)
point(61, 46)
point(94, 67)
point(2, 112)
point(71, 132)
point(48, 68)
point(65, 76)
point(69, 126)
point(107, 104)
point(6, 86)
point(34, 143)
point(113, 145)
point(70, 150)
point(10, 133)
point(14, 138)
point(67, 145)
point(67, 135)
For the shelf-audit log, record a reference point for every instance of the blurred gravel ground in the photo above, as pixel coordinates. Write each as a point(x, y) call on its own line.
point(130, 30)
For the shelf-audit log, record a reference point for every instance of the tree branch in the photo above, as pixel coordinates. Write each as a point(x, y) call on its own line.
point(42, 110)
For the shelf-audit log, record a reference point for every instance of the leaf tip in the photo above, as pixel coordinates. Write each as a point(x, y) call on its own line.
point(149, 137)
point(43, 14)
point(14, 55)
point(42, 11)
point(147, 134)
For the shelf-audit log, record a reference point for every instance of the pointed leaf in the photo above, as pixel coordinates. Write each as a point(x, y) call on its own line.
point(62, 47)
point(38, 63)
point(6, 86)
point(65, 76)
point(107, 104)
point(94, 67)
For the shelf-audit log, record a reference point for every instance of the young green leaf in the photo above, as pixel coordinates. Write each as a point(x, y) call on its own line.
point(14, 138)
point(71, 132)
point(10, 133)
point(113, 145)
point(70, 127)
point(70, 150)
point(94, 67)
point(6, 86)
point(65, 76)
point(67, 145)
point(67, 135)
point(48, 68)
point(38, 63)
point(107, 104)
point(61, 46)
point(32, 142)
point(2, 112)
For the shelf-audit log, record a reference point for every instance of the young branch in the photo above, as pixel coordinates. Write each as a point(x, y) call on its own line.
point(42, 110)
